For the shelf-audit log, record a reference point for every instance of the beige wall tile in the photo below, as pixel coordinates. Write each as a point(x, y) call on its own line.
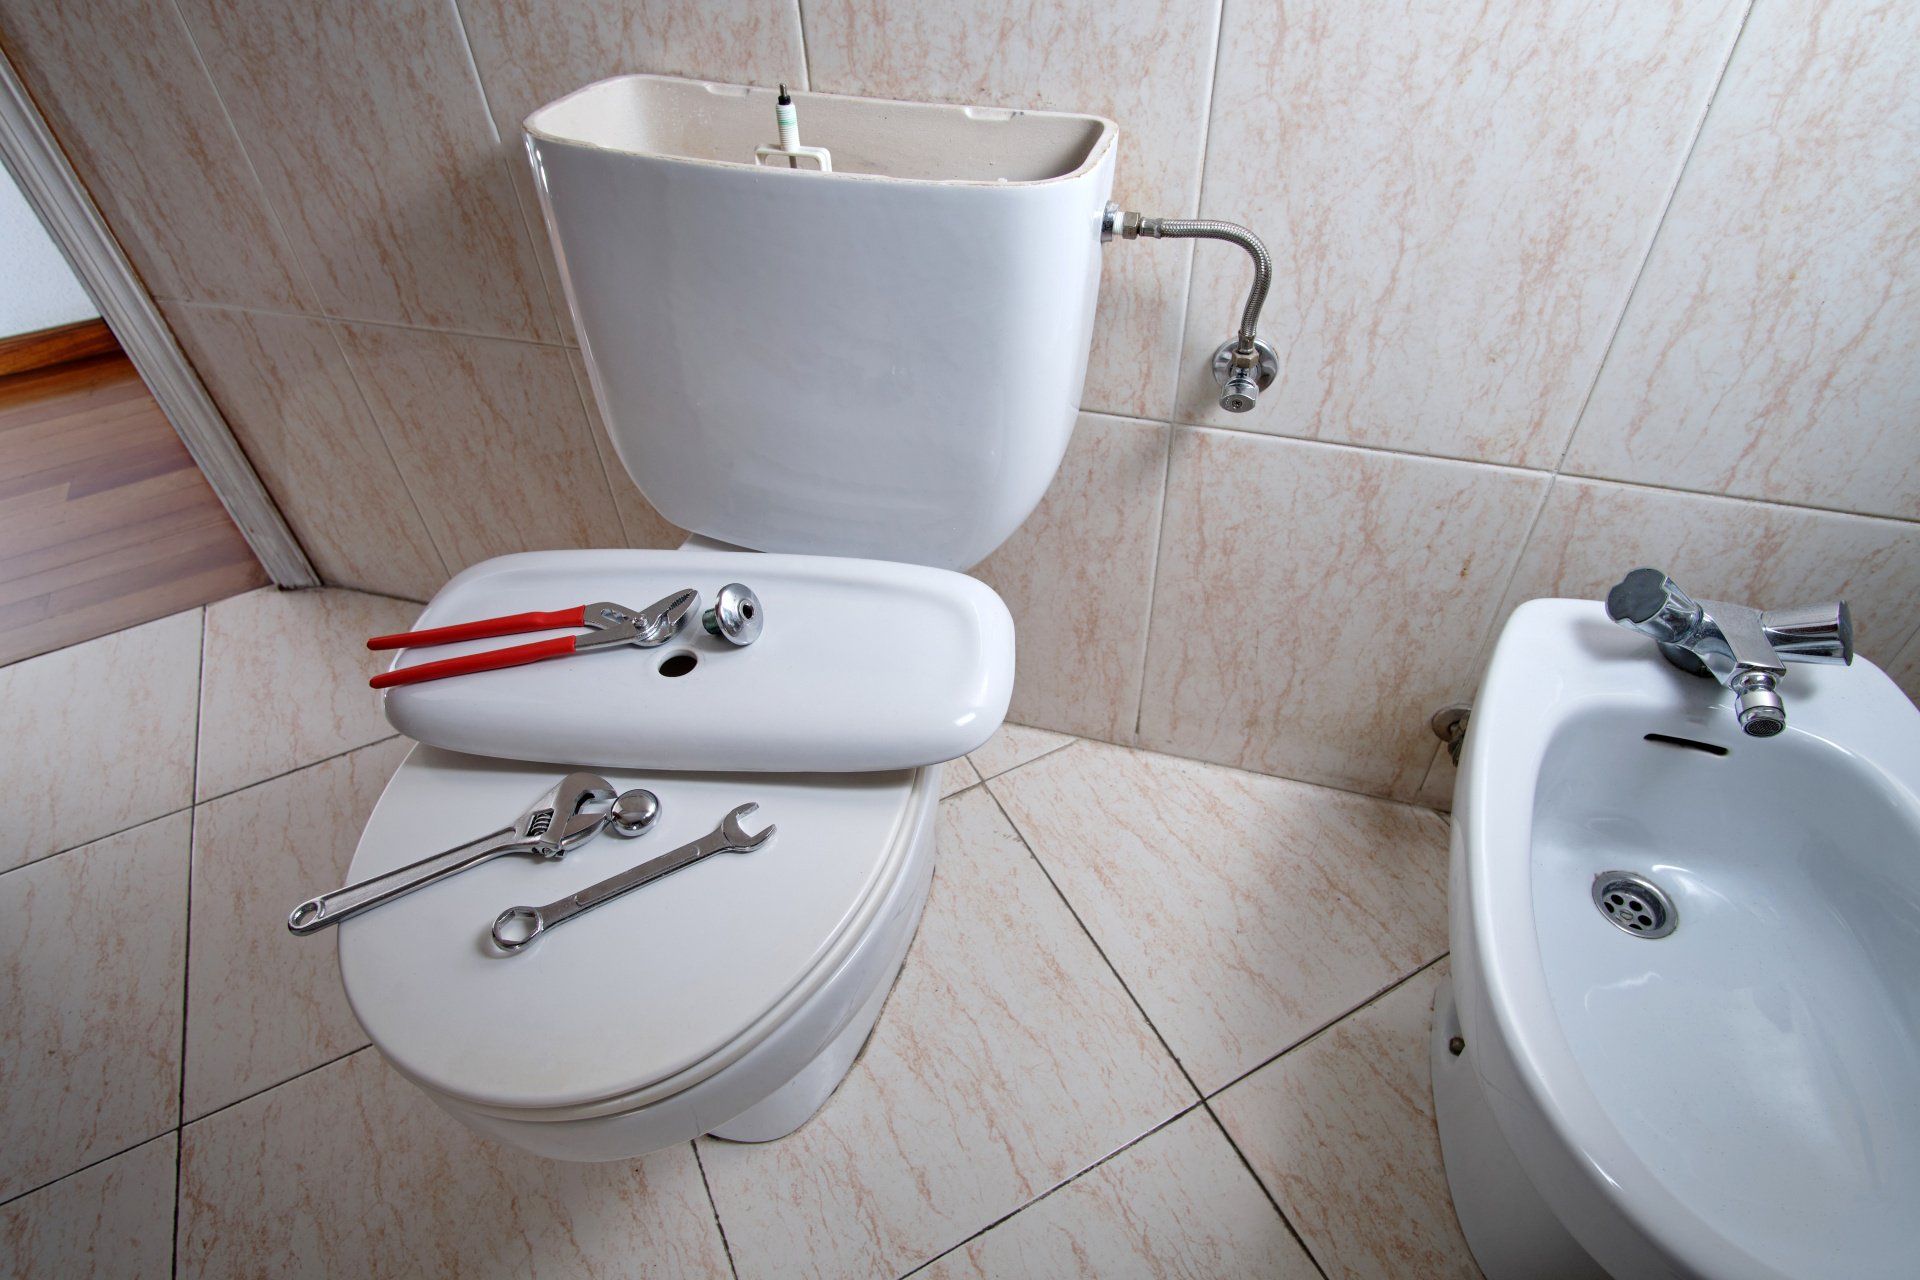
point(1457, 196)
point(491, 437)
point(1013, 745)
point(125, 93)
point(642, 525)
point(349, 1170)
point(90, 976)
point(1242, 911)
point(529, 54)
point(285, 389)
point(1592, 532)
point(1904, 667)
point(1007, 1059)
point(1078, 577)
point(1436, 791)
point(1315, 604)
point(1178, 1203)
point(367, 125)
point(1147, 64)
point(100, 735)
point(1770, 347)
point(286, 682)
point(1341, 1131)
point(115, 1219)
point(263, 1005)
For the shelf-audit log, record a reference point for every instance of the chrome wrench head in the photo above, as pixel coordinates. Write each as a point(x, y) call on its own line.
point(517, 927)
point(738, 840)
point(563, 817)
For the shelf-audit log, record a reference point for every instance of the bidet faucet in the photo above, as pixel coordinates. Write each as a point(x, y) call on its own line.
point(1745, 649)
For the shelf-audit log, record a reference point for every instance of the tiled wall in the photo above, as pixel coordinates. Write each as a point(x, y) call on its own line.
point(1562, 288)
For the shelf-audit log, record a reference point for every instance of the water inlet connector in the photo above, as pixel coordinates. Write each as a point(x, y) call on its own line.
point(1244, 365)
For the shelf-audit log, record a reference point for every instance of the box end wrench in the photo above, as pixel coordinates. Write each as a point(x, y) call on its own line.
point(516, 927)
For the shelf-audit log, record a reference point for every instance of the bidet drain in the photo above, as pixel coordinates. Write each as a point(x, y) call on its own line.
point(1635, 904)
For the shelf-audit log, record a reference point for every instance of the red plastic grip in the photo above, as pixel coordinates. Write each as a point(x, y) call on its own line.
point(492, 660)
point(483, 629)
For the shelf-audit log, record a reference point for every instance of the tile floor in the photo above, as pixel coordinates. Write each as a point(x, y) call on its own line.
point(1194, 1047)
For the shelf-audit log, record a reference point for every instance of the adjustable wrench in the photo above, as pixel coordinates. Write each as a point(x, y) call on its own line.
point(515, 927)
point(566, 815)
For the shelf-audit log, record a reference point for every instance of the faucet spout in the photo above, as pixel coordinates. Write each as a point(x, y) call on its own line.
point(1743, 648)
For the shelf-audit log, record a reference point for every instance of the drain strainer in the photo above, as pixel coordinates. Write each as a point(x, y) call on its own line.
point(1635, 904)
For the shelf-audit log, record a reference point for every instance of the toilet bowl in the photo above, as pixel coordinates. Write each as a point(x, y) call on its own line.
point(856, 382)
point(729, 999)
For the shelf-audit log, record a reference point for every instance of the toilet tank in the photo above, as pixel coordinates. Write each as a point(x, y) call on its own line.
point(884, 360)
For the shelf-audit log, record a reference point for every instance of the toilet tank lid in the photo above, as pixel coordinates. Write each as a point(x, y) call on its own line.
point(861, 665)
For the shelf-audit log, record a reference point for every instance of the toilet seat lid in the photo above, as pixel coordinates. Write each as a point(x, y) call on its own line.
point(665, 984)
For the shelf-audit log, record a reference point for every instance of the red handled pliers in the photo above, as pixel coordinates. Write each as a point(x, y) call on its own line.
point(611, 624)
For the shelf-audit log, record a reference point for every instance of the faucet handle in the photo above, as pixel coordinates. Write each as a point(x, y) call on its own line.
point(1650, 602)
point(1820, 633)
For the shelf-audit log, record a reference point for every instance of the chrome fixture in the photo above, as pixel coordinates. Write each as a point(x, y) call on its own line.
point(1244, 365)
point(1449, 724)
point(1743, 648)
point(736, 615)
point(1634, 904)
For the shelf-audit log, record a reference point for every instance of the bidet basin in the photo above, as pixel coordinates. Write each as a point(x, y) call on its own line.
point(1721, 1077)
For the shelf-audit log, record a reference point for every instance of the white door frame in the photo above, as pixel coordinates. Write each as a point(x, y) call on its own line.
point(34, 158)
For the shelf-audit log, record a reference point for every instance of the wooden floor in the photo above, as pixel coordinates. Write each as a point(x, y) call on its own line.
point(104, 520)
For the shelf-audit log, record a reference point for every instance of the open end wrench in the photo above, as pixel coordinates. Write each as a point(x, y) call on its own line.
point(566, 815)
point(515, 927)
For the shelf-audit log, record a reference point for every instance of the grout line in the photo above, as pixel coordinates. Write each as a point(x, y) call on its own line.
point(75, 848)
point(95, 1164)
point(1153, 588)
point(806, 52)
point(336, 317)
point(269, 1088)
point(1061, 1185)
point(499, 145)
point(284, 773)
point(1329, 1025)
point(1260, 1182)
point(186, 943)
point(989, 777)
point(1653, 239)
point(715, 1206)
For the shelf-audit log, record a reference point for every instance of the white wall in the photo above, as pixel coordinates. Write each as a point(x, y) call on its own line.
point(38, 289)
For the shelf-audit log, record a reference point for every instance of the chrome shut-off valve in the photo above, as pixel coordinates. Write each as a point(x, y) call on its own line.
point(1245, 364)
point(1745, 649)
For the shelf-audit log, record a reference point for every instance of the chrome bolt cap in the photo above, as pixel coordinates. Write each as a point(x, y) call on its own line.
point(736, 616)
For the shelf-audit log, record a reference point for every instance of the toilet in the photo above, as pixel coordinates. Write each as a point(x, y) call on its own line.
point(848, 384)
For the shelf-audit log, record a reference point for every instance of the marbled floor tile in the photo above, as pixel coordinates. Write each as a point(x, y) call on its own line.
point(1013, 745)
point(1591, 533)
point(1468, 192)
point(1007, 1059)
point(1341, 1131)
point(349, 1170)
point(1243, 911)
point(1314, 604)
point(1769, 349)
point(286, 681)
point(90, 978)
point(1177, 1204)
point(1078, 578)
point(491, 437)
point(123, 90)
point(642, 525)
point(956, 776)
point(1146, 64)
point(114, 1219)
point(263, 1005)
point(100, 735)
point(370, 133)
point(286, 391)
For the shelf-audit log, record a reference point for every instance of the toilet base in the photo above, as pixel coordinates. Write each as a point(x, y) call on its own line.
point(825, 1034)
point(1512, 1231)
